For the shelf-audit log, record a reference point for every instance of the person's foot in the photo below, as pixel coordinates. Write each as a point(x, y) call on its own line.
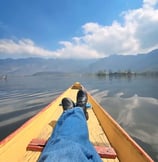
point(81, 101)
point(67, 103)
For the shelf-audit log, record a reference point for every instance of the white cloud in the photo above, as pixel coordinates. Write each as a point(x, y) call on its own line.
point(145, 26)
point(137, 34)
point(149, 3)
point(112, 39)
point(26, 47)
point(23, 47)
point(78, 49)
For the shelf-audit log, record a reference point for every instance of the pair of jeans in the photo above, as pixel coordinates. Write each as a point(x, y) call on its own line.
point(69, 142)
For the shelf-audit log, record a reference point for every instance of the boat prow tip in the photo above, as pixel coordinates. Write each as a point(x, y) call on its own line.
point(77, 85)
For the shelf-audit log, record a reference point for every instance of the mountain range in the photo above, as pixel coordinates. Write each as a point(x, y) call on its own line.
point(136, 63)
point(29, 66)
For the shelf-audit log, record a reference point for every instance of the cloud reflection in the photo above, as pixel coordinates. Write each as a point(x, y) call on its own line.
point(137, 115)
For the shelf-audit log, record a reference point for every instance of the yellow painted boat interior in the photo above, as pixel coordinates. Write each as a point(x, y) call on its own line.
point(103, 130)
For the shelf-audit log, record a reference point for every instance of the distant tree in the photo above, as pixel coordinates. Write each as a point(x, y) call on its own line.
point(101, 73)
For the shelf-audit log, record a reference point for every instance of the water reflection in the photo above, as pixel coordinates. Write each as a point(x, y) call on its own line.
point(132, 102)
point(137, 115)
point(18, 107)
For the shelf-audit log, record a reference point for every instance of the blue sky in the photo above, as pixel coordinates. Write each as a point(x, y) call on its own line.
point(77, 28)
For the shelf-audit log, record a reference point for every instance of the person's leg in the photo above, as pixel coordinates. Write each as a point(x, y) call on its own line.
point(70, 140)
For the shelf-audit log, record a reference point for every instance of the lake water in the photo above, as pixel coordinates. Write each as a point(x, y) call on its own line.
point(132, 102)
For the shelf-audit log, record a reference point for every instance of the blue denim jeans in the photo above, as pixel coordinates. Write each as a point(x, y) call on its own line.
point(69, 141)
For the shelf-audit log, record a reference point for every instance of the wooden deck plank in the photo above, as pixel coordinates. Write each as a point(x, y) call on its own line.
point(45, 134)
point(96, 134)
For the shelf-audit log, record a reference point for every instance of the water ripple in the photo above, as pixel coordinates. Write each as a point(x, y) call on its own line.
point(18, 107)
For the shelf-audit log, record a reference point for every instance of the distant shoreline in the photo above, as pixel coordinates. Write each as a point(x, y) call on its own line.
point(127, 73)
point(98, 74)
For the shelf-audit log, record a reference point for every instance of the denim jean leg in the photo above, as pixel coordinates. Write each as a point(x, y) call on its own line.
point(70, 140)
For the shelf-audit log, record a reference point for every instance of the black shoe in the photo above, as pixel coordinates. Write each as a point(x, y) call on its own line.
point(67, 103)
point(81, 101)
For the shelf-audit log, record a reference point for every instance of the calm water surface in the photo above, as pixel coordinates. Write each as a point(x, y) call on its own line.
point(132, 102)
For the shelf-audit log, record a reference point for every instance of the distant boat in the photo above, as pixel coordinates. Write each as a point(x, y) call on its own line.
point(27, 142)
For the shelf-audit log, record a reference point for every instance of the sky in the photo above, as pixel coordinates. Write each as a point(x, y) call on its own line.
point(81, 29)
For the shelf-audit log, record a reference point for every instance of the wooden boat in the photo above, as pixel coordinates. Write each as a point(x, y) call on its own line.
point(103, 131)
